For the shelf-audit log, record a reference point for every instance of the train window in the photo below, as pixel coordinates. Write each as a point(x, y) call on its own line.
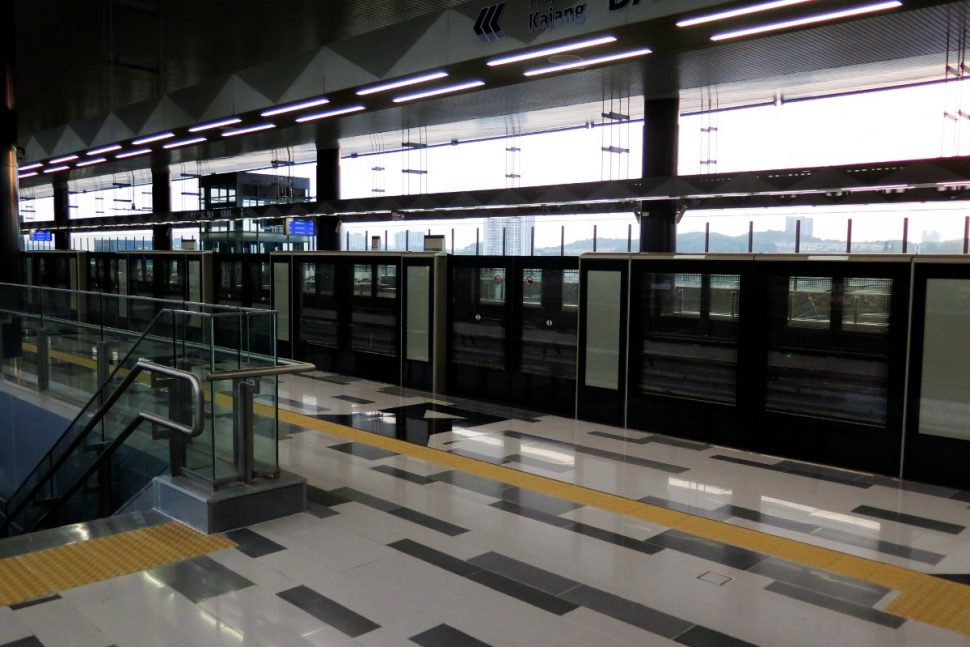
point(363, 281)
point(386, 281)
point(491, 285)
point(809, 301)
point(570, 289)
point(865, 305)
point(724, 292)
point(532, 287)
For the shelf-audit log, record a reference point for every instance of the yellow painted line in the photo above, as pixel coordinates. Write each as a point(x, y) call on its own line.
point(921, 597)
point(45, 572)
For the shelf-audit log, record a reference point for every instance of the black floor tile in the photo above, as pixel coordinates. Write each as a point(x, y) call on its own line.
point(910, 519)
point(363, 451)
point(324, 497)
point(887, 547)
point(614, 538)
point(538, 501)
point(836, 586)
point(960, 578)
point(200, 578)
point(411, 477)
point(253, 544)
point(432, 523)
point(333, 613)
point(628, 611)
point(714, 551)
point(485, 458)
point(800, 469)
point(29, 641)
point(320, 511)
point(769, 519)
point(521, 592)
point(35, 602)
point(365, 499)
point(352, 399)
point(535, 515)
point(682, 443)
point(434, 557)
point(834, 604)
point(446, 636)
point(527, 574)
point(632, 460)
point(699, 636)
point(529, 461)
point(471, 482)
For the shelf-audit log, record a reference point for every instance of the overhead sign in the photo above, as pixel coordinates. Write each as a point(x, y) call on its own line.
point(41, 235)
point(487, 26)
point(299, 227)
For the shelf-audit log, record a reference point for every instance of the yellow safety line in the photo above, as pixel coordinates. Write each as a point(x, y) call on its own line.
point(45, 572)
point(921, 597)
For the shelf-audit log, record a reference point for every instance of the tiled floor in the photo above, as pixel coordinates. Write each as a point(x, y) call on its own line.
point(395, 551)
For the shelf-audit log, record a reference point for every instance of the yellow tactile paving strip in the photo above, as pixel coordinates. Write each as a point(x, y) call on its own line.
point(921, 597)
point(35, 575)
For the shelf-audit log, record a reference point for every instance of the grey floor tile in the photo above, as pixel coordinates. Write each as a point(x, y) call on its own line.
point(252, 543)
point(363, 451)
point(435, 557)
point(910, 519)
point(836, 586)
point(628, 611)
point(428, 521)
point(533, 576)
point(834, 604)
point(200, 578)
point(333, 613)
point(522, 592)
point(699, 636)
point(446, 636)
point(405, 475)
point(538, 501)
point(708, 549)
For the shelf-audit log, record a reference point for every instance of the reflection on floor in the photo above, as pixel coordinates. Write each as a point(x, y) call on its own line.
point(396, 550)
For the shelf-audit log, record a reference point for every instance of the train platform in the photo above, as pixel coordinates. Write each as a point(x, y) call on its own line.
point(441, 521)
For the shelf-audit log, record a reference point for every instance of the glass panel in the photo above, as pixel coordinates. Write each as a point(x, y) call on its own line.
point(809, 301)
point(386, 281)
point(319, 320)
point(478, 324)
point(491, 282)
point(531, 287)
point(363, 280)
point(944, 398)
point(548, 328)
point(570, 289)
point(603, 329)
point(866, 305)
point(418, 317)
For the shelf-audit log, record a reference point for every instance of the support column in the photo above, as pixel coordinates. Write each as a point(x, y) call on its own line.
point(161, 205)
point(658, 226)
point(62, 211)
point(10, 240)
point(328, 188)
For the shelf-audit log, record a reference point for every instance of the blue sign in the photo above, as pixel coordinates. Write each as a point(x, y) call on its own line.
point(40, 235)
point(297, 227)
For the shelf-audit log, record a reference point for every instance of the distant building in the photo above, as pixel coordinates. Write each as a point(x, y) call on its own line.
point(517, 232)
point(409, 240)
point(807, 226)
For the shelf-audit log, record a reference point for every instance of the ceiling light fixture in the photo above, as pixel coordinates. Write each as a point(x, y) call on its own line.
point(61, 160)
point(152, 138)
point(589, 61)
point(56, 169)
point(31, 166)
point(447, 89)
point(104, 149)
point(133, 153)
point(248, 129)
point(184, 142)
point(807, 20)
point(293, 107)
point(555, 49)
point(228, 121)
point(24, 176)
point(91, 162)
point(740, 11)
point(330, 113)
point(414, 80)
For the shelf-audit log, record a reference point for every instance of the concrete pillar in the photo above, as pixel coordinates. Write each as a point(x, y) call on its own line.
point(62, 211)
point(10, 240)
point(161, 205)
point(658, 226)
point(328, 188)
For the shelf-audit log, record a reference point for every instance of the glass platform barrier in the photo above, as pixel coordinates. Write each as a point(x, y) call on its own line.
point(132, 395)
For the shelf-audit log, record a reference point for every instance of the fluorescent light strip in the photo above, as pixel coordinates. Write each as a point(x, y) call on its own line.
point(330, 113)
point(249, 129)
point(549, 51)
point(740, 11)
point(184, 142)
point(56, 169)
point(24, 176)
point(436, 91)
point(133, 153)
point(152, 138)
point(293, 107)
point(414, 80)
point(105, 149)
point(60, 160)
point(807, 20)
point(589, 61)
point(91, 162)
point(31, 166)
point(228, 121)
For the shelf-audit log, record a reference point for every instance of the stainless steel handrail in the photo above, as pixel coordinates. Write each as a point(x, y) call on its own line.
point(286, 367)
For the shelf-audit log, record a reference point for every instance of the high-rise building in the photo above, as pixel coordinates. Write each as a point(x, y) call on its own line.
point(516, 232)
